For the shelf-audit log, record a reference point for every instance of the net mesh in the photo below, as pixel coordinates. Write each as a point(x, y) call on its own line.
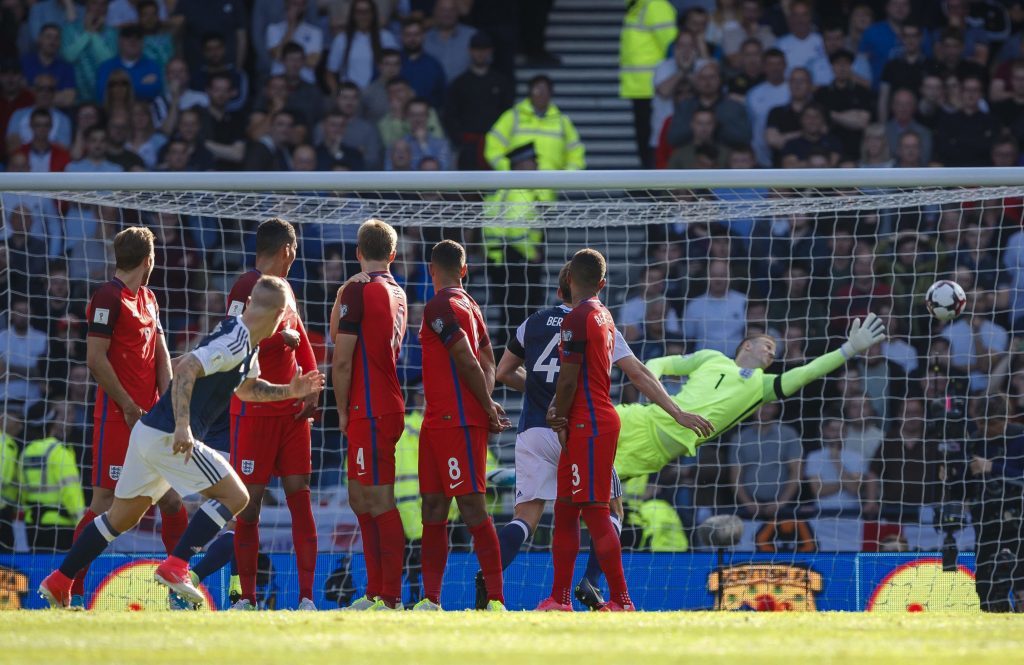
point(917, 446)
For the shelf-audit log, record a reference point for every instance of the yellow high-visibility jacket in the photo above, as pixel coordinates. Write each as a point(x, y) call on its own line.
point(553, 135)
point(649, 28)
point(50, 484)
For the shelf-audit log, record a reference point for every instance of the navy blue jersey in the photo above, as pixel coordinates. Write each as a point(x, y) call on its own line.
point(536, 342)
point(228, 359)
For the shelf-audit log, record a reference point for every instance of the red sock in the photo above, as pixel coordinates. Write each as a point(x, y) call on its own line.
point(565, 547)
point(371, 553)
point(247, 556)
point(488, 553)
point(392, 555)
point(304, 538)
point(434, 558)
point(605, 542)
point(78, 585)
point(172, 525)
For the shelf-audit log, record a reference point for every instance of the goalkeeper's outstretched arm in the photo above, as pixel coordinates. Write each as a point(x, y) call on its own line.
point(679, 365)
point(861, 338)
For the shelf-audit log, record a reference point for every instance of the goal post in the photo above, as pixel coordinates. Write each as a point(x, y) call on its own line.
point(847, 494)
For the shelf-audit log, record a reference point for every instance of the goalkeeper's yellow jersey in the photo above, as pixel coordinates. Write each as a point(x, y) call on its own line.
point(717, 389)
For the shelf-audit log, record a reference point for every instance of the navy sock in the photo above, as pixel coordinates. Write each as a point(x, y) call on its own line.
point(220, 552)
point(511, 537)
point(90, 544)
point(204, 525)
point(593, 574)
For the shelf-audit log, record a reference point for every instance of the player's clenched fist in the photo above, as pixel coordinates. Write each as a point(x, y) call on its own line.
point(306, 384)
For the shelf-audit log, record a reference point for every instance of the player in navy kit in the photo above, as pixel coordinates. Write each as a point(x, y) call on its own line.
point(530, 365)
point(224, 364)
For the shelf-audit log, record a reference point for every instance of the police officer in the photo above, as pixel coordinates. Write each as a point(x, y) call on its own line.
point(649, 28)
point(51, 486)
point(407, 496)
point(12, 427)
point(536, 120)
point(514, 256)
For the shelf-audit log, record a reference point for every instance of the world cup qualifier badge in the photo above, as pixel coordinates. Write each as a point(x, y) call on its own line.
point(344, 311)
point(566, 335)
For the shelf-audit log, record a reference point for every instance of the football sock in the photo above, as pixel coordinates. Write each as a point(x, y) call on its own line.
point(488, 553)
point(172, 525)
point(247, 553)
point(392, 555)
point(202, 528)
point(512, 536)
point(90, 544)
point(605, 541)
point(304, 537)
point(78, 585)
point(565, 546)
point(371, 553)
point(593, 573)
point(220, 552)
point(434, 558)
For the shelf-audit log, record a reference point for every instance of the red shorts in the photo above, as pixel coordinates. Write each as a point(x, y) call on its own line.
point(453, 460)
point(585, 467)
point(264, 446)
point(371, 448)
point(109, 446)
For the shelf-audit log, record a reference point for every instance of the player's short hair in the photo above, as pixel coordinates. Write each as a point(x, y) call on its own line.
point(587, 268)
point(269, 292)
point(272, 235)
point(751, 338)
point(563, 282)
point(448, 255)
point(132, 246)
point(377, 240)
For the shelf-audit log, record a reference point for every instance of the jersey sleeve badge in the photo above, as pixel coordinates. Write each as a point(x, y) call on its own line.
point(437, 325)
point(566, 335)
point(101, 316)
point(344, 311)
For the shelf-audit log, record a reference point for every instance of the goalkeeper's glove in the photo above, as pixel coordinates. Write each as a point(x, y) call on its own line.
point(863, 337)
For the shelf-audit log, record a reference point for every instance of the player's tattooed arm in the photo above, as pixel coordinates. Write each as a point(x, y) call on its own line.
point(188, 369)
point(258, 390)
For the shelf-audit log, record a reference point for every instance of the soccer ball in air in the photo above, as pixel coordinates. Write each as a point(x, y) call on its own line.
point(945, 300)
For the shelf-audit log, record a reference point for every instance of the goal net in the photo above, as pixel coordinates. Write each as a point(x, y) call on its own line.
point(890, 484)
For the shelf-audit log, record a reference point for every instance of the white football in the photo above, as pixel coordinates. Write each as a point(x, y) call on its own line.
point(945, 300)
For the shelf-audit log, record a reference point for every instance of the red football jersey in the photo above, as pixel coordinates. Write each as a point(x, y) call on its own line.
point(131, 322)
point(588, 339)
point(375, 312)
point(449, 316)
point(278, 361)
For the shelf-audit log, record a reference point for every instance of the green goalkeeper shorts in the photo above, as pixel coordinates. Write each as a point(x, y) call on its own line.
point(638, 452)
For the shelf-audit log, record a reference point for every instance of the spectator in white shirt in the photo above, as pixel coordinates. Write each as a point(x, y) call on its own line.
point(975, 341)
point(294, 29)
point(21, 345)
point(802, 44)
point(763, 97)
point(354, 52)
point(836, 476)
point(634, 309)
point(671, 73)
point(718, 319)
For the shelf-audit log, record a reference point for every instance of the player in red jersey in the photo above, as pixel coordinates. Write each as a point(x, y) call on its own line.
point(127, 355)
point(583, 415)
point(368, 325)
point(458, 377)
point(273, 438)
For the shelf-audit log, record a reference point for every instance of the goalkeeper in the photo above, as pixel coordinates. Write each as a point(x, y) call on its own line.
point(722, 390)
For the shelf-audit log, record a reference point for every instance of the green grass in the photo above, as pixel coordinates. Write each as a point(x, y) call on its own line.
point(519, 638)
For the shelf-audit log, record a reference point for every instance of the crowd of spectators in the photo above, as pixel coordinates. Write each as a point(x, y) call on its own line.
point(379, 85)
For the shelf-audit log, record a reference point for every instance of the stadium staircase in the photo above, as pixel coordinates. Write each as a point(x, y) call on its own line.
point(585, 34)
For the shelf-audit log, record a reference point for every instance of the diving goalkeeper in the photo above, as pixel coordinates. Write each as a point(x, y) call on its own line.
point(722, 390)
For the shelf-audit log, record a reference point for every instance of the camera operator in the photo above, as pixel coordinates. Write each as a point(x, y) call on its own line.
point(995, 490)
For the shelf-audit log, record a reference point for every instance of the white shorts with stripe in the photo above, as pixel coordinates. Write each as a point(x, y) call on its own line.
point(151, 467)
point(537, 453)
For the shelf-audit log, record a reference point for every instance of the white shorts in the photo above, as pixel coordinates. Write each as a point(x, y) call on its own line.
point(151, 467)
point(537, 453)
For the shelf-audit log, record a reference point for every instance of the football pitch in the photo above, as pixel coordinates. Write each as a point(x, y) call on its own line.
point(516, 638)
